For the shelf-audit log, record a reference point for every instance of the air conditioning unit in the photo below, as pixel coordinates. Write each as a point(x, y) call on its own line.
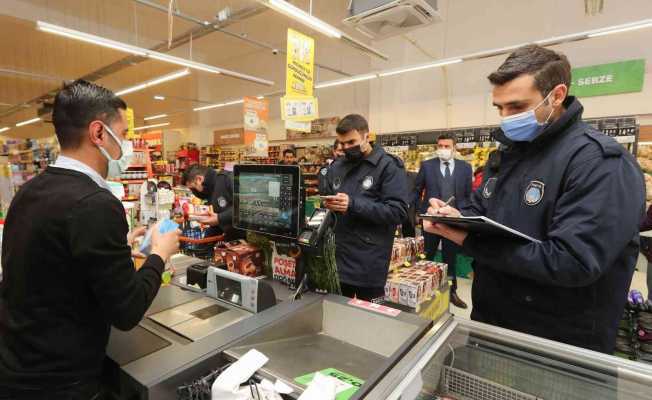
point(380, 19)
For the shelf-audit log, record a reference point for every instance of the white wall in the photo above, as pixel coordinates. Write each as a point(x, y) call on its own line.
point(427, 100)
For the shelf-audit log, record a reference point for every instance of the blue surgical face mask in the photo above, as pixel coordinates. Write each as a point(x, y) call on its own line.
point(524, 127)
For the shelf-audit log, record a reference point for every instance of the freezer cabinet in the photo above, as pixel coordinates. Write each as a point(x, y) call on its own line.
point(466, 360)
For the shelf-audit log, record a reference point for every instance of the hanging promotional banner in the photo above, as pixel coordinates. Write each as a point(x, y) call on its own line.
point(300, 64)
point(299, 109)
point(295, 126)
point(256, 115)
point(317, 129)
point(606, 79)
point(129, 113)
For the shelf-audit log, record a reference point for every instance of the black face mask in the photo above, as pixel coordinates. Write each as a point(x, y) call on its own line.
point(201, 195)
point(353, 154)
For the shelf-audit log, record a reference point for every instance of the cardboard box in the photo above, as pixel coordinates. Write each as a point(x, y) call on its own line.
point(244, 259)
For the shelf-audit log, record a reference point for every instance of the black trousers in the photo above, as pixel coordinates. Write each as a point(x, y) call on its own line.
point(449, 252)
point(84, 390)
point(363, 293)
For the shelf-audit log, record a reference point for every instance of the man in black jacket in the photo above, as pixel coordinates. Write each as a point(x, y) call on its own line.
point(68, 272)
point(369, 196)
point(216, 187)
point(558, 180)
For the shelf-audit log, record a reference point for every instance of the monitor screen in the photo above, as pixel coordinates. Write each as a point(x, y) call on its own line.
point(267, 199)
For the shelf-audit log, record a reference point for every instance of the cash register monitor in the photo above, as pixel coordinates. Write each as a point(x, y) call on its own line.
point(267, 199)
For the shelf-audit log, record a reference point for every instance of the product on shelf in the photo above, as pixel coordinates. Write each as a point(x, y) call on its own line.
point(242, 258)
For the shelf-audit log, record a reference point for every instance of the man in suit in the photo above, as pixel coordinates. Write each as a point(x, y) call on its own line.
point(444, 177)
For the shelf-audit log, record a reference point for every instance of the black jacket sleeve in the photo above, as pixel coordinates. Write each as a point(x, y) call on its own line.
point(226, 216)
point(98, 240)
point(419, 184)
point(392, 207)
point(468, 181)
point(596, 215)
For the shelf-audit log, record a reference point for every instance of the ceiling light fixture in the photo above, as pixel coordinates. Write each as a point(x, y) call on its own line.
point(345, 81)
point(140, 128)
point(5, 129)
point(88, 38)
point(299, 15)
point(160, 98)
point(155, 117)
point(218, 105)
point(260, 97)
point(419, 67)
point(29, 121)
point(100, 41)
point(154, 82)
point(632, 26)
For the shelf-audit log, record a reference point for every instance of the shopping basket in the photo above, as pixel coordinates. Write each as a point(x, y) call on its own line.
point(194, 242)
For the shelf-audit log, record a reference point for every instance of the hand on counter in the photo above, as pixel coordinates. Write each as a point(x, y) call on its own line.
point(165, 245)
point(338, 203)
point(438, 207)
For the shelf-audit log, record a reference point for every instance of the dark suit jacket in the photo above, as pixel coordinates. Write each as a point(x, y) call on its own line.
point(430, 179)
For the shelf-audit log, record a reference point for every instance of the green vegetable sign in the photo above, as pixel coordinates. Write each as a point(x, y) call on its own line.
point(606, 79)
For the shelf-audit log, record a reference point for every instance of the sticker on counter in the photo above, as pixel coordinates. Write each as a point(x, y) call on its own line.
point(348, 384)
point(392, 312)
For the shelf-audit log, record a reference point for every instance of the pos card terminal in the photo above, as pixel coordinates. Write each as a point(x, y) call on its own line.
point(315, 227)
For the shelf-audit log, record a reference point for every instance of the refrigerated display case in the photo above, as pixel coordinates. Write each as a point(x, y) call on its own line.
point(467, 360)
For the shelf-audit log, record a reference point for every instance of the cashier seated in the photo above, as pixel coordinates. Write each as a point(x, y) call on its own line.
point(68, 272)
point(216, 187)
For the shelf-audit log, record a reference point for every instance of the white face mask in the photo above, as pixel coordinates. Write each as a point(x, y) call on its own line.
point(117, 167)
point(445, 154)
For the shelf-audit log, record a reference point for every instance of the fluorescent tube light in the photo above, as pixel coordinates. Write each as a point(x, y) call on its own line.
point(260, 97)
point(345, 81)
point(5, 129)
point(622, 28)
point(155, 117)
point(88, 38)
point(159, 97)
point(218, 105)
point(154, 82)
point(29, 121)
point(100, 41)
point(140, 128)
point(299, 15)
point(419, 67)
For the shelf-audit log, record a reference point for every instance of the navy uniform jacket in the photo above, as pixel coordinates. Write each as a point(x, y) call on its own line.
point(430, 179)
point(378, 202)
point(583, 195)
point(219, 186)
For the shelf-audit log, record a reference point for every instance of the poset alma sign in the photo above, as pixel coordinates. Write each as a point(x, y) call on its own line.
point(606, 79)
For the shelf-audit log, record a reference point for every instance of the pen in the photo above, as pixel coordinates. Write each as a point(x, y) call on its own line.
point(448, 203)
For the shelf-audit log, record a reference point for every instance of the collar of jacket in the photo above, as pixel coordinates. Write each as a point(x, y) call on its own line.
point(376, 154)
point(573, 113)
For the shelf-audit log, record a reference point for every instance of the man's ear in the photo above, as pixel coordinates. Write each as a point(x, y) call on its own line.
point(559, 94)
point(96, 132)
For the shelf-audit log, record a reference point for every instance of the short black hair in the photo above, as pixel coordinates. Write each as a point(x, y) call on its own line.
point(294, 153)
point(549, 68)
point(447, 136)
point(192, 172)
point(352, 122)
point(77, 104)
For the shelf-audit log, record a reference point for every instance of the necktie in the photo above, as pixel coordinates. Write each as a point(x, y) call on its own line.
point(447, 171)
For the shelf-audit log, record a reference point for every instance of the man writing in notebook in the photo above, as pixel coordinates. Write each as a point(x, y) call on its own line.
point(556, 179)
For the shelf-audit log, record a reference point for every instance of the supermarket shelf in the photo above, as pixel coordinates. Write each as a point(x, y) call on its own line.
point(132, 180)
point(137, 166)
point(130, 199)
point(625, 139)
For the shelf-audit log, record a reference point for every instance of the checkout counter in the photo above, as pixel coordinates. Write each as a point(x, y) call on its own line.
point(186, 335)
point(392, 356)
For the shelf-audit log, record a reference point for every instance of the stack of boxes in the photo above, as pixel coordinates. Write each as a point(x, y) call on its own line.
point(414, 285)
point(405, 250)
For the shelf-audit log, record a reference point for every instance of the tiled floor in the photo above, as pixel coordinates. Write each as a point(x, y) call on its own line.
point(464, 291)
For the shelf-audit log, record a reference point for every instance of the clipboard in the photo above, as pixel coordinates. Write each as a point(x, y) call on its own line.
point(480, 224)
